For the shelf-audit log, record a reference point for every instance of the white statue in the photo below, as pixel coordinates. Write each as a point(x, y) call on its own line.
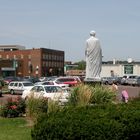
point(93, 55)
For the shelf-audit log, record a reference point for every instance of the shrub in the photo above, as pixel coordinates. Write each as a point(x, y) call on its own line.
point(108, 122)
point(76, 123)
point(53, 106)
point(102, 94)
point(80, 95)
point(13, 108)
point(36, 106)
point(85, 94)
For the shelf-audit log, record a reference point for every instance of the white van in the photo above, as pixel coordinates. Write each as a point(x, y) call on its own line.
point(17, 87)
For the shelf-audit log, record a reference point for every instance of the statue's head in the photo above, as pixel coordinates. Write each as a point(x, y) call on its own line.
point(92, 33)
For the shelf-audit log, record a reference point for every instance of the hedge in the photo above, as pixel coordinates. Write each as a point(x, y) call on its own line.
point(101, 122)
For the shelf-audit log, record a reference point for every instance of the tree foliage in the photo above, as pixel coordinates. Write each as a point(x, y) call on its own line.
point(81, 65)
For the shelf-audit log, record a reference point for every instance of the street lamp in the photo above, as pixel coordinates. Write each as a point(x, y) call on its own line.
point(15, 66)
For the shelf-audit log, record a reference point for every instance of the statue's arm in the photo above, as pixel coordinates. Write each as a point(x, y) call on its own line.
point(86, 51)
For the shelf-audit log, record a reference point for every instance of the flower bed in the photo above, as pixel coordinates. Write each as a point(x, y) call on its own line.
point(13, 107)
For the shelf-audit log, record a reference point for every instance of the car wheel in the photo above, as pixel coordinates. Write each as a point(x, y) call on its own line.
point(12, 92)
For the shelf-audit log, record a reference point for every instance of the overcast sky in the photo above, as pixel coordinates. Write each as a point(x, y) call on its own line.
point(65, 25)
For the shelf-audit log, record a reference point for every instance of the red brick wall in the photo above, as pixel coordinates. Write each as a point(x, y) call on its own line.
point(34, 56)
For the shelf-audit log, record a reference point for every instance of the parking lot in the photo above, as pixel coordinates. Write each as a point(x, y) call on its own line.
point(132, 91)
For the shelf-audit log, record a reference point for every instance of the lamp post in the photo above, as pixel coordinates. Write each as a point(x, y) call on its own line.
point(15, 66)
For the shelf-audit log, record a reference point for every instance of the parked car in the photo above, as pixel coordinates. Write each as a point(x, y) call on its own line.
point(127, 79)
point(51, 92)
point(31, 79)
point(104, 80)
point(17, 87)
point(123, 80)
point(52, 83)
point(137, 81)
point(131, 79)
point(1, 85)
point(71, 81)
point(111, 80)
point(9, 79)
point(43, 78)
point(134, 81)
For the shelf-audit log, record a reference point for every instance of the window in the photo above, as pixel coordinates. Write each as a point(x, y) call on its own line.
point(20, 85)
point(47, 56)
point(28, 84)
point(40, 88)
point(47, 64)
point(44, 56)
point(14, 56)
point(29, 63)
point(44, 63)
point(34, 89)
point(29, 56)
point(11, 84)
point(7, 56)
point(128, 69)
point(15, 85)
point(21, 56)
point(48, 83)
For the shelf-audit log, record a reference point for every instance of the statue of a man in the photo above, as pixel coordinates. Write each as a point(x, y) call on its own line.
point(93, 55)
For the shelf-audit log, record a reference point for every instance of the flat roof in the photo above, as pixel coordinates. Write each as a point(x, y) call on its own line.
point(19, 47)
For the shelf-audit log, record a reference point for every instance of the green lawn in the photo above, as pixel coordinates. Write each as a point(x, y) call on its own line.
point(14, 129)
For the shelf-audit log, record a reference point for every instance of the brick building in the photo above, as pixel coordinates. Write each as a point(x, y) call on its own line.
point(32, 62)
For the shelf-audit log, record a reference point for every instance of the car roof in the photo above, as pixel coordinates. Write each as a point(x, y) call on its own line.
point(20, 82)
point(47, 85)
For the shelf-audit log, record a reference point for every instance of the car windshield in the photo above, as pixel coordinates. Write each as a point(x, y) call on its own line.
point(28, 84)
point(52, 89)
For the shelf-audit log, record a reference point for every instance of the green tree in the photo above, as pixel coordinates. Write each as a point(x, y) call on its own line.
point(81, 65)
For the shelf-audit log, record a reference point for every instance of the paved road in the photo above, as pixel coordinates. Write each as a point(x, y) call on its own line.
point(132, 91)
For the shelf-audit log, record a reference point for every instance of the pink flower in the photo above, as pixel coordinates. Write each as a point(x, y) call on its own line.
point(13, 107)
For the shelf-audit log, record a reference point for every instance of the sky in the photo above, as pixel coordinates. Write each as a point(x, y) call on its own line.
point(65, 25)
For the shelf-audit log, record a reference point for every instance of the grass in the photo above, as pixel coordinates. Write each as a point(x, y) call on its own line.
point(14, 129)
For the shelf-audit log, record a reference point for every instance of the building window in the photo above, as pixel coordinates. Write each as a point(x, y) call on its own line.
point(29, 63)
point(7, 56)
point(44, 56)
point(50, 64)
point(61, 58)
point(21, 56)
point(14, 56)
point(52, 57)
point(55, 64)
point(128, 69)
point(0, 56)
point(47, 56)
point(44, 63)
point(29, 56)
point(47, 64)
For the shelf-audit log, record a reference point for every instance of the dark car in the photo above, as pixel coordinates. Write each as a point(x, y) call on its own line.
point(1, 85)
point(111, 80)
point(31, 79)
point(9, 79)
